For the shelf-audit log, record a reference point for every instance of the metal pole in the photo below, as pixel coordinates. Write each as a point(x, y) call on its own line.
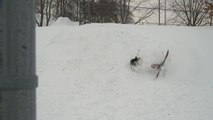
point(18, 81)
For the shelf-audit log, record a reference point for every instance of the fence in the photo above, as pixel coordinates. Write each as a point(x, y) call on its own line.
point(162, 14)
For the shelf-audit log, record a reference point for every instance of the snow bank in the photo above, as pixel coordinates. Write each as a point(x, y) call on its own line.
point(84, 73)
point(61, 21)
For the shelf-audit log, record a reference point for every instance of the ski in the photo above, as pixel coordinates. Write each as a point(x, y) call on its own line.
point(158, 66)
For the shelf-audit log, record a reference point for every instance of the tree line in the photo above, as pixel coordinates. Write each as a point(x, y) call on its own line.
point(187, 12)
point(193, 12)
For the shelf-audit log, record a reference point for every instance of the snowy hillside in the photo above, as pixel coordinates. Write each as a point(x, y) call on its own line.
point(84, 73)
point(64, 21)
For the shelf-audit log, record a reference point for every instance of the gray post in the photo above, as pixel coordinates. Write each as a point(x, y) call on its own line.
point(17, 60)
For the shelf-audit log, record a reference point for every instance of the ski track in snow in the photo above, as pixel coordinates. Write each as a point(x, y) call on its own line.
point(84, 73)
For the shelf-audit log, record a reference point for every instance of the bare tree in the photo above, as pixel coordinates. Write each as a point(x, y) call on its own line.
point(48, 11)
point(209, 9)
point(126, 8)
point(77, 9)
point(66, 8)
point(147, 14)
point(60, 8)
point(104, 11)
point(40, 5)
point(190, 12)
point(100, 11)
point(56, 3)
point(144, 12)
point(124, 11)
point(43, 10)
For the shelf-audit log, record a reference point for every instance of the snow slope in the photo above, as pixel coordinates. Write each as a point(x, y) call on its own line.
point(64, 21)
point(84, 73)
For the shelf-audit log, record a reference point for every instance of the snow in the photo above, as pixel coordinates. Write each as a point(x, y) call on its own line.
point(64, 21)
point(84, 73)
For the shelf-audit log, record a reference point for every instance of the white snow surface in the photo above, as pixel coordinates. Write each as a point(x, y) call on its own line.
point(84, 73)
point(64, 21)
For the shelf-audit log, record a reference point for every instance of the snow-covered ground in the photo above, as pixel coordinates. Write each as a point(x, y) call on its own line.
point(64, 21)
point(84, 73)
